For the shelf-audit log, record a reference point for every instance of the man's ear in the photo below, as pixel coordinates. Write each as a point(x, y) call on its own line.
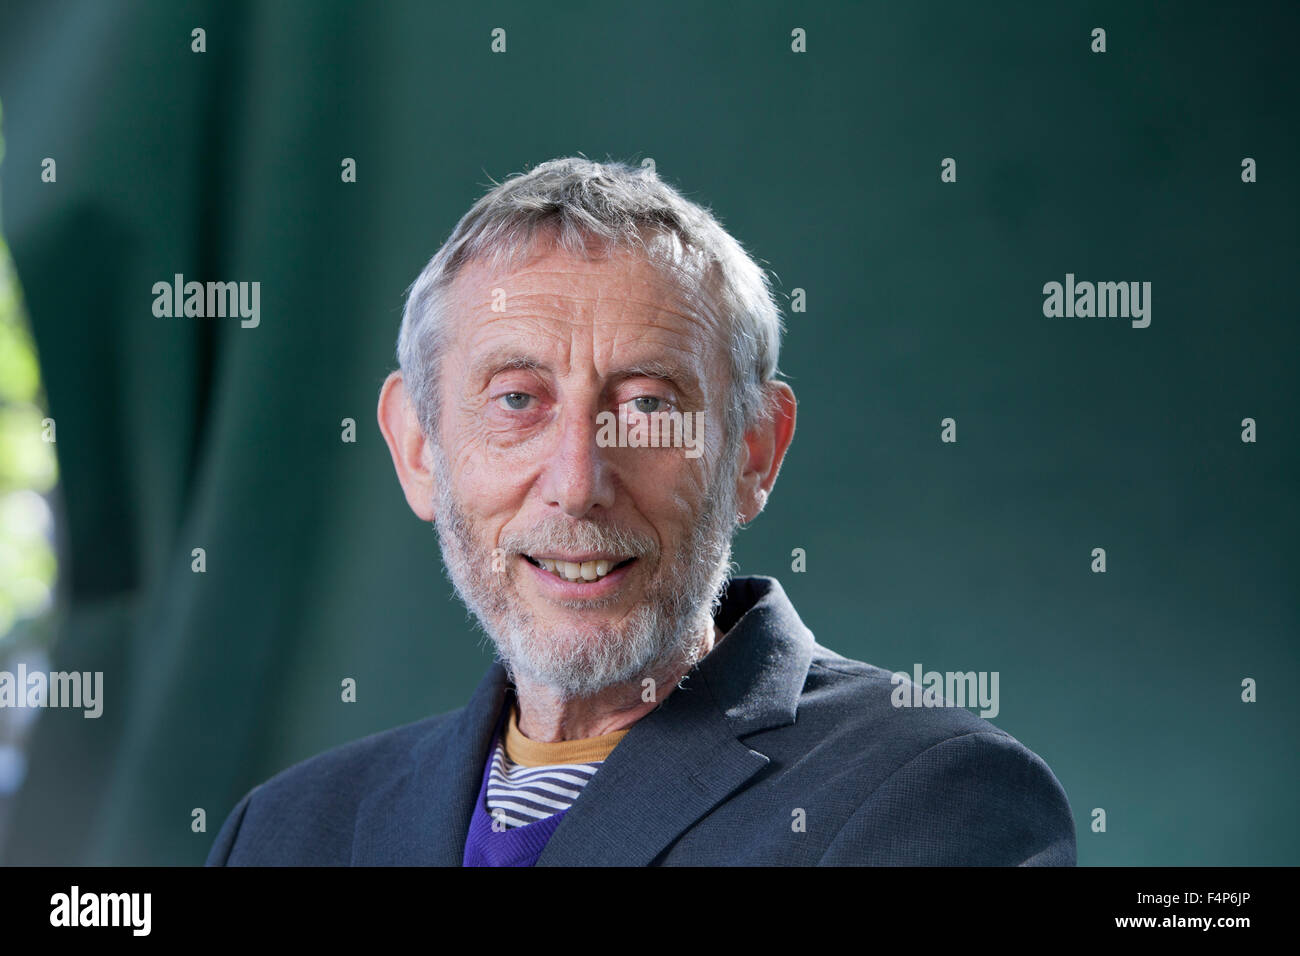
point(412, 454)
point(764, 447)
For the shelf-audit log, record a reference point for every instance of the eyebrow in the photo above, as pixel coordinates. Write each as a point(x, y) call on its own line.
point(503, 360)
point(508, 358)
point(657, 370)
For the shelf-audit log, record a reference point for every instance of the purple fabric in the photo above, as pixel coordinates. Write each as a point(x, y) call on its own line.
point(514, 846)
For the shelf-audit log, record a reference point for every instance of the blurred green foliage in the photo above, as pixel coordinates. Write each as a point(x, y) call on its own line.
point(28, 471)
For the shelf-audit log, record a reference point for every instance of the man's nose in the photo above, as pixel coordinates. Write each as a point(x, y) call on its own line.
point(579, 475)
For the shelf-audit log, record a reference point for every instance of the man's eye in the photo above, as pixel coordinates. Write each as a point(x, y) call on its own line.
point(516, 401)
point(648, 405)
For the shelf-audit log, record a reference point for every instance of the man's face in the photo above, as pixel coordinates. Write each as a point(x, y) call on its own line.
point(528, 499)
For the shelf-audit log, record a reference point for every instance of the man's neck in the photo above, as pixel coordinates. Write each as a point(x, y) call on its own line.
point(546, 717)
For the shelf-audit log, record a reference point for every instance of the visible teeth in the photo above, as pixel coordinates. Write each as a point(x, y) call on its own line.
point(577, 570)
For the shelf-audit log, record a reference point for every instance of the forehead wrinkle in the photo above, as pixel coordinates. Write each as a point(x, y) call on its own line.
point(651, 288)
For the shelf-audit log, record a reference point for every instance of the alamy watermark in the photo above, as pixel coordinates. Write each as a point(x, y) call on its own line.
point(129, 910)
point(652, 430)
point(946, 689)
point(1121, 300)
point(56, 689)
point(208, 300)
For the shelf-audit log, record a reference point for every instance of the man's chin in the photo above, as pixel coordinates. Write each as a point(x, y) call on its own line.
point(585, 631)
point(569, 668)
point(583, 652)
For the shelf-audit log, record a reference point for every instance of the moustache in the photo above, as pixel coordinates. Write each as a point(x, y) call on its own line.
point(567, 536)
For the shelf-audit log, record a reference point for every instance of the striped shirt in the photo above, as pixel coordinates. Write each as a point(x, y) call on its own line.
point(530, 780)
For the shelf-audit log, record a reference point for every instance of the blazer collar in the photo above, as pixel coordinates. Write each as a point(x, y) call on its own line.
point(757, 673)
point(673, 767)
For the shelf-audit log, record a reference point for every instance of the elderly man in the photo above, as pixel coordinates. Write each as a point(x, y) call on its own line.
point(587, 408)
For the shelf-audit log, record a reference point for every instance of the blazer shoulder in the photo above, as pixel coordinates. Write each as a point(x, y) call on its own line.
point(864, 699)
point(980, 799)
point(939, 783)
point(357, 762)
point(312, 805)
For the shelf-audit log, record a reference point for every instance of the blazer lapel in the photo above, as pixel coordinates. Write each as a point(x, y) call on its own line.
point(421, 818)
point(684, 758)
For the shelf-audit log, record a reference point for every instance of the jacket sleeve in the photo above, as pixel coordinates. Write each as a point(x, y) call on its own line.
point(219, 855)
point(980, 799)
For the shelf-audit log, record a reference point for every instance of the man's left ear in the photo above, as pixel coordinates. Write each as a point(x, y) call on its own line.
point(765, 447)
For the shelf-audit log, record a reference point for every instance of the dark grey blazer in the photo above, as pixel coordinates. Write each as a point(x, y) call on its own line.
point(769, 724)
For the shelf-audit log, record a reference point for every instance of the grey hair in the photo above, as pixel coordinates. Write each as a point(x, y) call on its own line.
point(588, 209)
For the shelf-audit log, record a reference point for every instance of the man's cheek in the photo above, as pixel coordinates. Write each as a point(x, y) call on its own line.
point(489, 493)
point(686, 489)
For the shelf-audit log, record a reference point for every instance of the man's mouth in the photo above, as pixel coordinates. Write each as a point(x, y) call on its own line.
point(589, 570)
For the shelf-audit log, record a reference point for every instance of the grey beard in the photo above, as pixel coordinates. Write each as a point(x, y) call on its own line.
point(660, 639)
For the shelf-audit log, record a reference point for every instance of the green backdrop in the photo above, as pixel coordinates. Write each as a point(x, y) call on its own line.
point(924, 301)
